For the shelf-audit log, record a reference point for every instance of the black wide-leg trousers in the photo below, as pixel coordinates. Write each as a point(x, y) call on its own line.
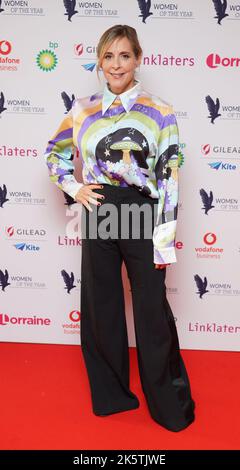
point(104, 339)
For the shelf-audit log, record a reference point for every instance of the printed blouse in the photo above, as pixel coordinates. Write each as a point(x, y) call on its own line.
point(124, 140)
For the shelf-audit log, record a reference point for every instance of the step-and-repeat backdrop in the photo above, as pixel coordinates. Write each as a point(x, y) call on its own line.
point(191, 59)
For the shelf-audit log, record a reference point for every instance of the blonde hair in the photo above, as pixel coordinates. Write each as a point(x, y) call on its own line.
point(116, 32)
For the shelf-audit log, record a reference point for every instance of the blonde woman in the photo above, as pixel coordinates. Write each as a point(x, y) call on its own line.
point(128, 141)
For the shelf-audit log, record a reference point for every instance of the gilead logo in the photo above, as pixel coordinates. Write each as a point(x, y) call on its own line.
point(78, 49)
point(33, 321)
point(214, 61)
point(206, 149)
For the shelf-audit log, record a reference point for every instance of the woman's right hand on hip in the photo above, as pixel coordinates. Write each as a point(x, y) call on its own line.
point(86, 195)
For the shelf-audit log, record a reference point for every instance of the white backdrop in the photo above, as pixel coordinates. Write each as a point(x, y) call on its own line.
point(187, 57)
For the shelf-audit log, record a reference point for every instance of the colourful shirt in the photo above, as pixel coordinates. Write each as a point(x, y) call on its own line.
point(123, 140)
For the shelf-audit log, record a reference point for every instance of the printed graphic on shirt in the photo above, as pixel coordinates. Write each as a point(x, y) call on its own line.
point(122, 156)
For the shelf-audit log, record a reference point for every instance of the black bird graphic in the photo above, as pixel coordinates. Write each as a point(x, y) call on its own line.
point(144, 6)
point(4, 279)
point(68, 199)
point(2, 100)
point(1, 9)
point(3, 194)
point(68, 280)
point(206, 200)
point(67, 101)
point(201, 285)
point(213, 108)
point(220, 8)
point(70, 8)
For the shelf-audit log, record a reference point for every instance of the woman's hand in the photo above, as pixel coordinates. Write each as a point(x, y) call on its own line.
point(161, 266)
point(86, 195)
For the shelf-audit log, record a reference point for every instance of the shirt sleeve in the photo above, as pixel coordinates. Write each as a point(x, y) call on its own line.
point(166, 171)
point(59, 157)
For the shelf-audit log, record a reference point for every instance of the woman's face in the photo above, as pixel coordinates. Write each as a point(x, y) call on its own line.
point(118, 65)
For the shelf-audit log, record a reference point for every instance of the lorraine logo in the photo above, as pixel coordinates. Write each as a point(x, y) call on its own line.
point(3, 195)
point(34, 320)
point(206, 200)
point(4, 319)
point(89, 67)
point(180, 159)
point(220, 9)
point(144, 6)
point(222, 166)
point(201, 285)
point(213, 108)
point(47, 60)
point(70, 8)
point(213, 61)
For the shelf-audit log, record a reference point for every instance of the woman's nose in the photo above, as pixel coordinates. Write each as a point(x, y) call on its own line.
point(116, 62)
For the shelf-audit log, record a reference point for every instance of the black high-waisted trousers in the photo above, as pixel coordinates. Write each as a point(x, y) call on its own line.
point(104, 339)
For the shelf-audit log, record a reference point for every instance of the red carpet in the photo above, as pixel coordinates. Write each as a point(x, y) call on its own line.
point(45, 403)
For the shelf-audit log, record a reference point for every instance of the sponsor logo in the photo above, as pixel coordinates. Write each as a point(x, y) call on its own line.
point(6, 319)
point(162, 10)
point(47, 60)
point(68, 280)
point(72, 327)
point(26, 247)
point(222, 166)
point(213, 328)
point(16, 7)
point(7, 62)
point(209, 251)
point(88, 9)
point(213, 108)
point(214, 61)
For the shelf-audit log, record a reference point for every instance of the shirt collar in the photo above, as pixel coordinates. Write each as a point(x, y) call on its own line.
point(128, 98)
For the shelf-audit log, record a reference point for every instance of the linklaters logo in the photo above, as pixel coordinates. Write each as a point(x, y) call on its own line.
point(47, 60)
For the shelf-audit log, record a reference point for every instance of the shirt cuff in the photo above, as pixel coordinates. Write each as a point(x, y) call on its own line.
point(165, 256)
point(164, 243)
point(72, 188)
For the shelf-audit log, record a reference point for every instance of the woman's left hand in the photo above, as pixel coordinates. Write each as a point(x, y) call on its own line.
point(161, 266)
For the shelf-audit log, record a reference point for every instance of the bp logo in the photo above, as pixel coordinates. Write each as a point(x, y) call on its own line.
point(180, 159)
point(47, 60)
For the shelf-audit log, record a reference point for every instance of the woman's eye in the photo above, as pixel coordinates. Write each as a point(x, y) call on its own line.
point(126, 56)
point(107, 57)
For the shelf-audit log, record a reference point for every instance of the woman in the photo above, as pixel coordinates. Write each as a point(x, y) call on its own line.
point(128, 141)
